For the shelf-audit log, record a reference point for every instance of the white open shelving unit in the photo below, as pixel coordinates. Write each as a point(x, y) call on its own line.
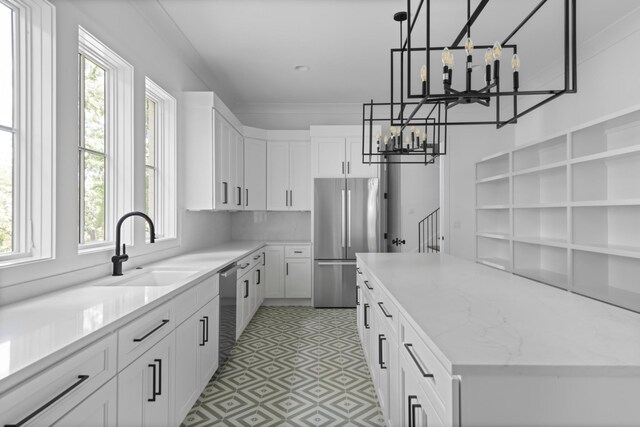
point(565, 211)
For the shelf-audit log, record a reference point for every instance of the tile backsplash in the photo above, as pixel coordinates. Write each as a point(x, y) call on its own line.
point(271, 226)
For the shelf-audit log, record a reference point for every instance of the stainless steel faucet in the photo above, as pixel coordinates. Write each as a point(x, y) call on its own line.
point(118, 259)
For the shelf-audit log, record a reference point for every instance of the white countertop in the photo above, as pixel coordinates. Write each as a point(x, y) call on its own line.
point(484, 320)
point(40, 331)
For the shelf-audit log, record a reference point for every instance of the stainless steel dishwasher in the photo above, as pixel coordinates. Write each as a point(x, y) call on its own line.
point(227, 336)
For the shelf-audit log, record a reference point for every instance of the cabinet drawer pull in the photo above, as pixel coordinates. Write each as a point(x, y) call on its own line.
point(257, 257)
point(225, 192)
point(264, 260)
point(246, 197)
point(145, 336)
point(343, 167)
point(258, 281)
point(206, 325)
point(357, 294)
point(203, 328)
point(366, 282)
point(417, 362)
point(286, 197)
point(366, 316)
point(297, 252)
point(358, 270)
point(153, 385)
point(81, 379)
point(412, 410)
point(380, 352)
point(386, 314)
point(243, 266)
point(287, 267)
point(239, 196)
point(246, 289)
point(156, 372)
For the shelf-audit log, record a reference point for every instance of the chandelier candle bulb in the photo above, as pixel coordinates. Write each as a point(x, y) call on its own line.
point(515, 64)
point(423, 77)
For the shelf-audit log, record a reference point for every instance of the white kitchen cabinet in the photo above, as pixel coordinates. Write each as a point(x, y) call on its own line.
point(274, 277)
point(340, 157)
point(215, 155)
point(196, 356)
point(416, 407)
point(98, 410)
point(255, 174)
point(145, 388)
point(297, 282)
point(260, 282)
point(288, 176)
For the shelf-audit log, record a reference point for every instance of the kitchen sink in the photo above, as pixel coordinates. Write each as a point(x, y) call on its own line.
point(153, 277)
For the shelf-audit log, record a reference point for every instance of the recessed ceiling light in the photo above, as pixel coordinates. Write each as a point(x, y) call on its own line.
point(302, 68)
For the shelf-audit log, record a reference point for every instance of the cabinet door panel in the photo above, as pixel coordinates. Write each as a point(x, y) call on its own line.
point(208, 356)
point(188, 337)
point(222, 162)
point(355, 167)
point(277, 176)
point(329, 158)
point(297, 278)
point(140, 404)
point(274, 277)
point(299, 176)
point(237, 168)
point(255, 174)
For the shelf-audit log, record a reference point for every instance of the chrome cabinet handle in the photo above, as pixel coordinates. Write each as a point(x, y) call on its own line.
point(145, 336)
point(417, 362)
point(81, 379)
point(386, 314)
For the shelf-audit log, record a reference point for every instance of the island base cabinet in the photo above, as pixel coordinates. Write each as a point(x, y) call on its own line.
point(196, 356)
point(544, 400)
point(145, 388)
point(97, 410)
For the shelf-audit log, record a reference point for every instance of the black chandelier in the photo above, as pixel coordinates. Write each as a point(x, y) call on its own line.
point(411, 108)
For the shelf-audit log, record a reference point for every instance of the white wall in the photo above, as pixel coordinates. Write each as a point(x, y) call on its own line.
point(119, 25)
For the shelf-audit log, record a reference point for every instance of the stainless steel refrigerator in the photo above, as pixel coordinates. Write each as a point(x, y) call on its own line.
point(348, 218)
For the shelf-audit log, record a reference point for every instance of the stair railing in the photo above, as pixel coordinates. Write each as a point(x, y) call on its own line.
point(428, 236)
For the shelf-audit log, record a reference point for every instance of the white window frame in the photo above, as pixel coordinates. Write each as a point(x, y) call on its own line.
point(165, 160)
point(34, 127)
point(119, 194)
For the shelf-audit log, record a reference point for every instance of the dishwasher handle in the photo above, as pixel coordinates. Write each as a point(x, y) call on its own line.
point(229, 271)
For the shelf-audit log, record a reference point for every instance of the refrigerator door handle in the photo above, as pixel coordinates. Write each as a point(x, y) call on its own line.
point(343, 235)
point(349, 218)
point(337, 263)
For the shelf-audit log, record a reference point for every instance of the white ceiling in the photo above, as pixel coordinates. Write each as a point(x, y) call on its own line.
point(252, 46)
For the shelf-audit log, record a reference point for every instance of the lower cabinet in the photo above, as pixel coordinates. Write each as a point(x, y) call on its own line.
point(288, 271)
point(297, 281)
point(145, 388)
point(97, 410)
point(243, 303)
point(416, 408)
point(196, 356)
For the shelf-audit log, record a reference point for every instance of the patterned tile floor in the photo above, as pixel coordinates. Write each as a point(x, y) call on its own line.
point(292, 366)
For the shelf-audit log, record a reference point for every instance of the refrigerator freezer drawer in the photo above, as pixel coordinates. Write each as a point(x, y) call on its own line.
point(334, 283)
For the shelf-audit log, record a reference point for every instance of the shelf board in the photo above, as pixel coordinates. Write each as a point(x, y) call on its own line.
point(618, 250)
point(541, 168)
point(493, 157)
point(499, 263)
point(620, 202)
point(552, 278)
point(493, 207)
point(540, 205)
point(606, 154)
point(490, 235)
point(614, 296)
point(493, 178)
point(558, 243)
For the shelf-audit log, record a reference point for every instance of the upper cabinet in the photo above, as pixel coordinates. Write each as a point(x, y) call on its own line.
point(214, 154)
point(337, 153)
point(288, 176)
point(255, 174)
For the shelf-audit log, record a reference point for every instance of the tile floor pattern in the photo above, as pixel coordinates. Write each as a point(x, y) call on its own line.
point(292, 366)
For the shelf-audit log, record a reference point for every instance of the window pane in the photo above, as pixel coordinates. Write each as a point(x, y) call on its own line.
point(94, 197)
point(150, 133)
point(150, 202)
point(6, 66)
point(94, 106)
point(6, 192)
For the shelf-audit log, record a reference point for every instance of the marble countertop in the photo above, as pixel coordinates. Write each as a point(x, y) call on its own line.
point(38, 332)
point(478, 319)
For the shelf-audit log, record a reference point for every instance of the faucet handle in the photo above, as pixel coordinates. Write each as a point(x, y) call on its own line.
point(124, 249)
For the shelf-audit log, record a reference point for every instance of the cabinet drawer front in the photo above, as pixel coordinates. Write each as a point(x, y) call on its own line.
point(247, 263)
point(431, 374)
point(208, 289)
point(302, 251)
point(141, 334)
point(49, 395)
point(388, 311)
point(186, 304)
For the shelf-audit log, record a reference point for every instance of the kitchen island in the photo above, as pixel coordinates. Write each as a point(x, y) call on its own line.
point(473, 345)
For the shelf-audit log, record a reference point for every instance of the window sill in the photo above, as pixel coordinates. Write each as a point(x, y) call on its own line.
point(13, 262)
point(92, 249)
